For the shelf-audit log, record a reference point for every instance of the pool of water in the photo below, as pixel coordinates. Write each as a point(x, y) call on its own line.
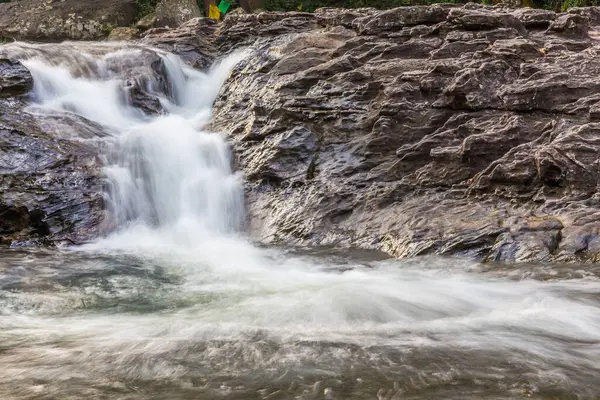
point(241, 322)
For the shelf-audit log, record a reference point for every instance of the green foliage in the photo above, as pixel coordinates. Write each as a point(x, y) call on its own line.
point(566, 4)
point(145, 7)
point(563, 5)
point(107, 29)
point(312, 5)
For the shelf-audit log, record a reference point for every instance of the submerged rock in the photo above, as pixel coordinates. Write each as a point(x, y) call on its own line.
point(15, 79)
point(441, 129)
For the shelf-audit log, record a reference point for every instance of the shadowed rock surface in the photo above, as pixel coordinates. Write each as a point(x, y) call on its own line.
point(50, 189)
point(452, 130)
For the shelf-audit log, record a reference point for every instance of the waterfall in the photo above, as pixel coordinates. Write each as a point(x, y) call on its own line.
point(165, 173)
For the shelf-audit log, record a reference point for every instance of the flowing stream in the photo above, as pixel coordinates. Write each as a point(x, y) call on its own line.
point(175, 303)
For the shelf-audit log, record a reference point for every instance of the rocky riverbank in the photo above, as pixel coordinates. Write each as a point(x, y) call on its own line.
point(450, 130)
point(442, 129)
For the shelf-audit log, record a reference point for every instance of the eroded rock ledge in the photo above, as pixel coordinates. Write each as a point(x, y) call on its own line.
point(450, 130)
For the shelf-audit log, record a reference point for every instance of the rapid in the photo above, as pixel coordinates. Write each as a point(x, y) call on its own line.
point(175, 302)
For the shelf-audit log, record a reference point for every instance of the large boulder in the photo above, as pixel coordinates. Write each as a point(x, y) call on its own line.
point(41, 20)
point(470, 131)
point(172, 13)
point(146, 22)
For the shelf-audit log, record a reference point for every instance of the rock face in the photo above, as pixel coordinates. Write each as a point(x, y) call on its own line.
point(173, 13)
point(449, 130)
point(49, 186)
point(43, 20)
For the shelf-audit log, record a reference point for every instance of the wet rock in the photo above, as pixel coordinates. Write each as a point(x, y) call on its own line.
point(148, 103)
point(173, 13)
point(591, 13)
point(15, 79)
point(480, 20)
point(41, 20)
point(242, 30)
point(448, 130)
point(392, 20)
point(13, 219)
point(50, 186)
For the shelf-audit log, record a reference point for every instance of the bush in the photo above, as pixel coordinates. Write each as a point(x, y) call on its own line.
point(145, 7)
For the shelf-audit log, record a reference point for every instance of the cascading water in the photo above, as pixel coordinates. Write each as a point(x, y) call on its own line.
point(164, 172)
point(175, 304)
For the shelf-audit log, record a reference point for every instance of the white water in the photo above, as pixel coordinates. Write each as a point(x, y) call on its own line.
point(175, 202)
point(164, 172)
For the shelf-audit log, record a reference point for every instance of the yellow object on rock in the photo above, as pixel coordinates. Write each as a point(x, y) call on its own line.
point(214, 12)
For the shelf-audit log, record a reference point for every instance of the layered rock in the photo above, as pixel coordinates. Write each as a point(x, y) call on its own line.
point(450, 130)
point(43, 20)
point(50, 188)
